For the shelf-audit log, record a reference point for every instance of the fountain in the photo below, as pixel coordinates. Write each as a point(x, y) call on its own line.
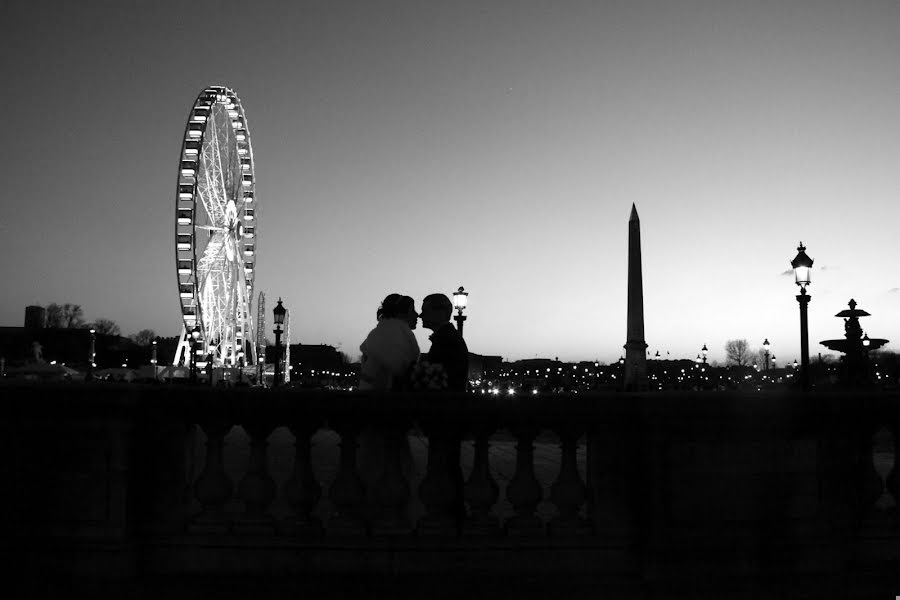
point(855, 346)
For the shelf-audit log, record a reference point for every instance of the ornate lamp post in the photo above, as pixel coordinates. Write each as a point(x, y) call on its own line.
point(460, 299)
point(697, 372)
point(278, 313)
point(766, 351)
point(195, 337)
point(773, 362)
point(703, 351)
point(92, 355)
point(802, 265)
point(153, 361)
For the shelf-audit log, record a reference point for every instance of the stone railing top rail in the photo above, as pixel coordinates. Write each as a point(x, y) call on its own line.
point(720, 413)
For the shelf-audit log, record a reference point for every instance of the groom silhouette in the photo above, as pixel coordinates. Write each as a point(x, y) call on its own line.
point(449, 350)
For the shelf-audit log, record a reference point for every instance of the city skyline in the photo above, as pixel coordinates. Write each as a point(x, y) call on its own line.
point(418, 147)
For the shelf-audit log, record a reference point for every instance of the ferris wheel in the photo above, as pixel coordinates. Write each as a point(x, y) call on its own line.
point(215, 230)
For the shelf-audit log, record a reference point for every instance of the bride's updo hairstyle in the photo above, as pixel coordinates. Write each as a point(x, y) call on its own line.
point(395, 306)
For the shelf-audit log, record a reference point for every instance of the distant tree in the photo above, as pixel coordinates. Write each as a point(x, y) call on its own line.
point(737, 352)
point(54, 316)
point(106, 327)
point(64, 315)
point(825, 359)
point(760, 358)
point(73, 315)
point(144, 337)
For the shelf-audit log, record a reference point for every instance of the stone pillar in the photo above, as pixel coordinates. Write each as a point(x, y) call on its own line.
point(569, 492)
point(392, 489)
point(635, 346)
point(302, 490)
point(481, 491)
point(347, 493)
point(213, 488)
point(438, 489)
point(524, 491)
point(257, 489)
point(892, 481)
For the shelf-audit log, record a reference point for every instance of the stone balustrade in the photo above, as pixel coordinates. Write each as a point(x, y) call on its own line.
point(646, 488)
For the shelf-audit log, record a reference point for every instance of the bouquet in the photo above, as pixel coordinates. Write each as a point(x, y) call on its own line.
point(428, 376)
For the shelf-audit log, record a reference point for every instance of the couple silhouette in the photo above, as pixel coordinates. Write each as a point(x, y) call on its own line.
point(391, 358)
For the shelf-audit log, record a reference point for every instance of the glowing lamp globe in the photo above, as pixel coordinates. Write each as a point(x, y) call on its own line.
point(802, 265)
point(460, 299)
point(278, 312)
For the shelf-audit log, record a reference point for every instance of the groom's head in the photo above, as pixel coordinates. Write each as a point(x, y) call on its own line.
point(436, 310)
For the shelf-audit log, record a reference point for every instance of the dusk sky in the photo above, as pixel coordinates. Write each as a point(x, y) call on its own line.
point(418, 146)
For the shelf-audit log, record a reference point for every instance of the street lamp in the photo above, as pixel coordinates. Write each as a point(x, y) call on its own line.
point(195, 337)
point(153, 361)
point(703, 350)
point(278, 313)
point(773, 361)
point(460, 299)
point(802, 264)
point(766, 350)
point(241, 367)
point(92, 355)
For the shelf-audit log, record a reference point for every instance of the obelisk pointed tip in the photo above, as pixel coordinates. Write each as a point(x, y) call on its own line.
point(634, 215)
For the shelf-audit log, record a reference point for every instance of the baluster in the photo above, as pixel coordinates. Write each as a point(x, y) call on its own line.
point(869, 483)
point(892, 482)
point(613, 502)
point(568, 492)
point(524, 491)
point(301, 490)
point(257, 488)
point(438, 491)
point(347, 492)
point(162, 495)
point(213, 488)
point(392, 491)
point(481, 491)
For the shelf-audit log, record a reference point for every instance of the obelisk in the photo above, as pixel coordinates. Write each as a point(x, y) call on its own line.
point(635, 346)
